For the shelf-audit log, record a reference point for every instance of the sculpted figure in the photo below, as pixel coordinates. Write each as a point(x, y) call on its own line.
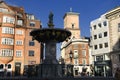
point(50, 23)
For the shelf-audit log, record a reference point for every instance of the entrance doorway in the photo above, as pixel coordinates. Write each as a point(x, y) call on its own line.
point(100, 70)
point(17, 68)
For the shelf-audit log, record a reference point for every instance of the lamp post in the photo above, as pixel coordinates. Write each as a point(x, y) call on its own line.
point(71, 66)
point(71, 55)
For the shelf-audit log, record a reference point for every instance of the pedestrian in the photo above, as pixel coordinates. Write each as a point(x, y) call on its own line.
point(117, 74)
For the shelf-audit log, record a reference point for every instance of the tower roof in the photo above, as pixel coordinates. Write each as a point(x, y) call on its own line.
point(70, 13)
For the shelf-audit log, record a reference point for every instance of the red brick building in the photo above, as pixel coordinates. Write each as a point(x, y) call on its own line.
point(16, 46)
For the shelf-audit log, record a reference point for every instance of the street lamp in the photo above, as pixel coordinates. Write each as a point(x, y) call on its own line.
point(71, 55)
point(71, 66)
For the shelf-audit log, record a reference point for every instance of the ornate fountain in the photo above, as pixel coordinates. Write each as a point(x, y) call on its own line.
point(50, 37)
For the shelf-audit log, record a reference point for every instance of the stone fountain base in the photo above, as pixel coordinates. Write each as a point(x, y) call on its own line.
point(50, 67)
point(50, 71)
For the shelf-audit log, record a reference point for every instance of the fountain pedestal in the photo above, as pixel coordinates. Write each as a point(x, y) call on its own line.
point(50, 67)
point(50, 53)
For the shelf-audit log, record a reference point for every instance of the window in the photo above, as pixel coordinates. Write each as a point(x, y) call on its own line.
point(94, 27)
point(3, 10)
point(6, 52)
point(72, 25)
point(100, 35)
point(32, 24)
point(20, 22)
point(1, 66)
point(100, 46)
point(18, 53)
point(8, 41)
point(31, 53)
point(95, 36)
point(83, 46)
point(19, 15)
point(31, 43)
point(105, 23)
point(9, 66)
point(106, 45)
point(84, 61)
point(83, 53)
point(19, 32)
point(76, 61)
point(105, 34)
point(118, 27)
point(19, 42)
point(30, 17)
point(75, 53)
point(8, 30)
point(99, 58)
point(7, 19)
point(99, 25)
point(75, 46)
point(95, 46)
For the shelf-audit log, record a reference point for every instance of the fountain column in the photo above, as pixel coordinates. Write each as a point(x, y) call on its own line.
point(50, 53)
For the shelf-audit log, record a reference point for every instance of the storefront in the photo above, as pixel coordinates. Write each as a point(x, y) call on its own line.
point(102, 68)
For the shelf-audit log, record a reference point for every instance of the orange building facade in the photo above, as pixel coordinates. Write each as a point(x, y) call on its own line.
point(17, 49)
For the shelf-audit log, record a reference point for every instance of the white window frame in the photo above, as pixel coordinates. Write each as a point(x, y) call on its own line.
point(8, 30)
point(7, 41)
point(6, 52)
point(19, 32)
point(20, 22)
point(83, 53)
point(18, 53)
point(19, 42)
point(8, 19)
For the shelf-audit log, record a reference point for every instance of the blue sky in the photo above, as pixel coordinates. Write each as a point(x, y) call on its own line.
point(88, 9)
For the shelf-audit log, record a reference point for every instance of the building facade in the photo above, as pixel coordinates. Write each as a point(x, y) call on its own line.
point(113, 17)
point(101, 46)
point(16, 46)
point(75, 50)
point(105, 42)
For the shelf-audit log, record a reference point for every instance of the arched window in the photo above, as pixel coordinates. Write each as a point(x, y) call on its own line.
point(9, 66)
point(1, 66)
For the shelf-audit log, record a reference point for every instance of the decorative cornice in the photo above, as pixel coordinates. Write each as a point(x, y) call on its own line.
point(73, 41)
point(113, 12)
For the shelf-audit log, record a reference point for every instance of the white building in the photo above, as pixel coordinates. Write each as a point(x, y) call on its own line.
point(100, 43)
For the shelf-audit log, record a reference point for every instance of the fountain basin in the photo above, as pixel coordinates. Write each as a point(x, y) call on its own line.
point(50, 34)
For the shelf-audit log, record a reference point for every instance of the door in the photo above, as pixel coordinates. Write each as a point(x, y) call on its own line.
point(17, 68)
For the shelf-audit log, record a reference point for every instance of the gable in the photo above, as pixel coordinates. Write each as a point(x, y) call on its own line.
point(5, 7)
